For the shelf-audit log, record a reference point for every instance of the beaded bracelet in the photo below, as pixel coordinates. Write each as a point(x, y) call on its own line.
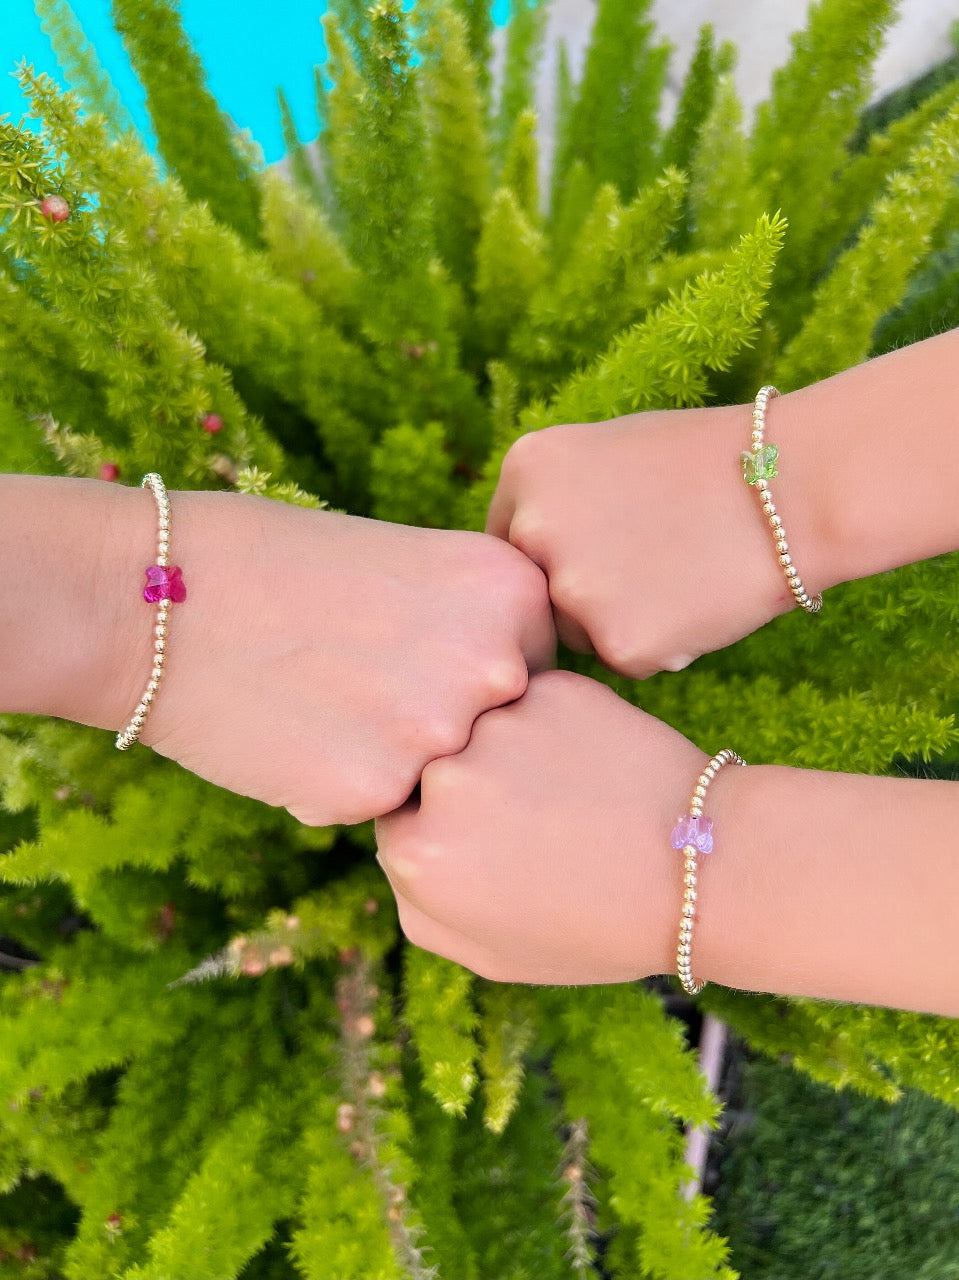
point(693, 833)
point(759, 466)
point(164, 586)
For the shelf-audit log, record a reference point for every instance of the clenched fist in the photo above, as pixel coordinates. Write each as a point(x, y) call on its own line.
point(655, 548)
point(323, 660)
point(541, 852)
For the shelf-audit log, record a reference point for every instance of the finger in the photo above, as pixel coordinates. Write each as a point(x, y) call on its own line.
point(501, 510)
point(412, 859)
point(529, 605)
point(573, 635)
point(423, 929)
point(573, 606)
point(627, 660)
point(538, 642)
point(425, 932)
point(444, 782)
point(428, 934)
point(396, 834)
point(584, 609)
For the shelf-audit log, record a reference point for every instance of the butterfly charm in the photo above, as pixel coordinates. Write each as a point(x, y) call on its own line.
point(759, 464)
point(695, 831)
point(164, 584)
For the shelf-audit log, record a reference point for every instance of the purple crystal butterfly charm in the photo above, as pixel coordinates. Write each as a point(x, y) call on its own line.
point(164, 584)
point(695, 831)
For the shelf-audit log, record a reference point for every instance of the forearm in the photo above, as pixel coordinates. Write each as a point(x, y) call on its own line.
point(870, 463)
point(833, 886)
point(72, 552)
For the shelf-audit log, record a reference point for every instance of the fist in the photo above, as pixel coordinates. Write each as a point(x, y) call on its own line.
point(323, 660)
point(655, 549)
point(541, 852)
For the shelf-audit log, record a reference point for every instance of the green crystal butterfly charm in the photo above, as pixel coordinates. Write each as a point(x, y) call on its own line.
point(759, 464)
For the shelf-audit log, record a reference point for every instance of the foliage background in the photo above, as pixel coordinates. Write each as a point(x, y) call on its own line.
point(218, 1058)
point(834, 1206)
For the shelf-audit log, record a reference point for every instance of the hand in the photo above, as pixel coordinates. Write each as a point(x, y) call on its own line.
point(655, 549)
point(321, 661)
point(541, 852)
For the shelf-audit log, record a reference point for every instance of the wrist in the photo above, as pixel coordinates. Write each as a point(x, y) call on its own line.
point(737, 525)
point(876, 462)
point(734, 942)
point(79, 646)
point(801, 501)
point(831, 886)
point(777, 901)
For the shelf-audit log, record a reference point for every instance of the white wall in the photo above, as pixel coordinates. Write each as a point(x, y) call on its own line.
point(760, 29)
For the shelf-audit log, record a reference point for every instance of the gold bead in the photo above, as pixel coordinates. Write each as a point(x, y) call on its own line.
point(690, 891)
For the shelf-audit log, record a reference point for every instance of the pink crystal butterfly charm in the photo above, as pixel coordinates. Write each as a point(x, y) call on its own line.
point(164, 584)
point(695, 831)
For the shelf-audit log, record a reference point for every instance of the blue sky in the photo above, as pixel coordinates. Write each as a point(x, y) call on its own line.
point(248, 48)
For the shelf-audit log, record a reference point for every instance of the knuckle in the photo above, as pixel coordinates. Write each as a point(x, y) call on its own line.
point(310, 817)
point(402, 861)
point(411, 922)
point(507, 588)
point(375, 797)
point(676, 662)
point(557, 681)
point(440, 775)
point(487, 966)
point(530, 588)
point(443, 736)
point(617, 648)
point(505, 680)
point(526, 529)
point(570, 591)
point(521, 454)
point(488, 563)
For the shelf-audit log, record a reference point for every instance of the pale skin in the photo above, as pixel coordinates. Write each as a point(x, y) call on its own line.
point(319, 663)
point(540, 853)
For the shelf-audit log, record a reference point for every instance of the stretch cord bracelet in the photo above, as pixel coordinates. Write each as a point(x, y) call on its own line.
point(759, 466)
point(164, 586)
point(693, 833)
